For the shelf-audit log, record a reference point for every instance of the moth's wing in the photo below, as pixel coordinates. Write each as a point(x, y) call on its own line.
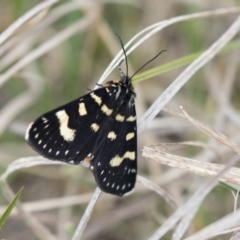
point(114, 165)
point(91, 129)
point(71, 132)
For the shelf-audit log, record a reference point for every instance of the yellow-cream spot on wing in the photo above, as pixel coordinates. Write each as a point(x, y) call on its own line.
point(95, 127)
point(67, 133)
point(96, 98)
point(129, 136)
point(130, 155)
point(131, 119)
point(120, 118)
point(112, 135)
point(82, 109)
point(117, 160)
point(106, 110)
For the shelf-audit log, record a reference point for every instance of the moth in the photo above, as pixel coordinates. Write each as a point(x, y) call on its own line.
point(97, 130)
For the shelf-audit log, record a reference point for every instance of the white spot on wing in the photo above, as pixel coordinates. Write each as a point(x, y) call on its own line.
point(44, 119)
point(57, 152)
point(66, 152)
point(102, 172)
point(82, 109)
point(27, 131)
point(67, 133)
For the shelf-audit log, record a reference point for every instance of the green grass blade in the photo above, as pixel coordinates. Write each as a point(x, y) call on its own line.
point(180, 63)
point(6, 214)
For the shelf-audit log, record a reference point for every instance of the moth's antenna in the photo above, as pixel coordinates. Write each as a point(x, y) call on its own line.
point(120, 69)
point(147, 63)
point(119, 66)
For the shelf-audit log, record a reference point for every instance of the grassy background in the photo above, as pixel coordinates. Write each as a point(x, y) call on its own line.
point(76, 64)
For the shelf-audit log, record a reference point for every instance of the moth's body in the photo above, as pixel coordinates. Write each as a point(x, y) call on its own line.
point(97, 130)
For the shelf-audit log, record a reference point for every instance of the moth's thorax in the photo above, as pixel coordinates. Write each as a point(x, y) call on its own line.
point(124, 86)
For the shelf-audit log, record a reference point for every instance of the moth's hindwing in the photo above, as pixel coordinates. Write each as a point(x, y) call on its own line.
point(98, 129)
point(115, 164)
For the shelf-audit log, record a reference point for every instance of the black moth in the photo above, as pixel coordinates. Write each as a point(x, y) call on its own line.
point(98, 130)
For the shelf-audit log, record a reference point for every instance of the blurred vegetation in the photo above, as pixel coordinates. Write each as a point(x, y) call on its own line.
point(77, 64)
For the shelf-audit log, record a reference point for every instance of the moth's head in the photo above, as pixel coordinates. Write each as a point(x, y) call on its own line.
point(125, 80)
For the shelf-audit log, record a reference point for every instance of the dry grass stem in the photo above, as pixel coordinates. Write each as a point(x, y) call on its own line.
point(48, 45)
point(21, 102)
point(134, 3)
point(87, 214)
point(235, 195)
point(192, 165)
point(36, 34)
point(191, 205)
point(53, 203)
point(33, 34)
point(44, 48)
point(26, 163)
point(155, 188)
point(153, 29)
point(182, 79)
point(227, 224)
point(214, 134)
point(121, 214)
point(26, 17)
point(39, 230)
point(235, 236)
